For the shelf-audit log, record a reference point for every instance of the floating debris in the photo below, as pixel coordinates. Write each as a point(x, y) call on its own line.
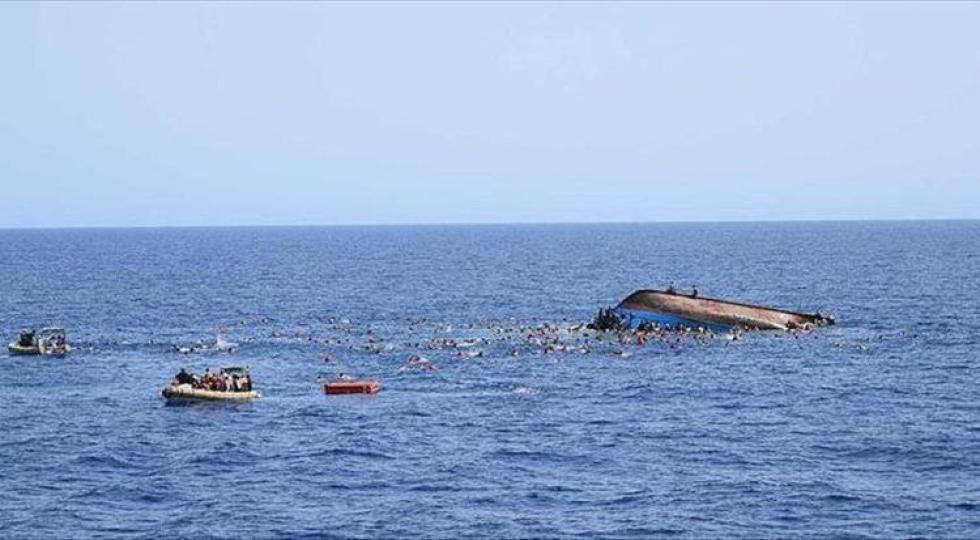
point(223, 345)
point(349, 385)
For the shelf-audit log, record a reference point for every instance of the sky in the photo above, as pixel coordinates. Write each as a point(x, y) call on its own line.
point(174, 114)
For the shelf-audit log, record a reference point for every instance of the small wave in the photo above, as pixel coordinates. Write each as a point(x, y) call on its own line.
point(435, 488)
point(355, 486)
point(525, 391)
point(645, 532)
point(226, 457)
point(629, 497)
point(347, 452)
point(515, 456)
point(522, 454)
point(107, 461)
point(116, 493)
point(840, 497)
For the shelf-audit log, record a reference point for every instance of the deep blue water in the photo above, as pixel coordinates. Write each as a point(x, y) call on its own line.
point(870, 428)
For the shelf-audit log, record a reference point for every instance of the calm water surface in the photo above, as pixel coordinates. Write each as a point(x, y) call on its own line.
point(867, 429)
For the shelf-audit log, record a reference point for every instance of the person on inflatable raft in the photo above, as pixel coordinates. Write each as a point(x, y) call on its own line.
point(222, 382)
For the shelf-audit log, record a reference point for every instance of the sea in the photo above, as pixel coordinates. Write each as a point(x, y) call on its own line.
point(866, 429)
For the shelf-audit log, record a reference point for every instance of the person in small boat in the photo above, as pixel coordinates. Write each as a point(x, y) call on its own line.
point(208, 381)
point(183, 377)
point(26, 338)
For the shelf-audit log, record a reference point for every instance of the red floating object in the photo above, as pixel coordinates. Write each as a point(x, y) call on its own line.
point(352, 386)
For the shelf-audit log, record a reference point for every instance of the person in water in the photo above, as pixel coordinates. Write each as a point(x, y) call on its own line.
point(419, 362)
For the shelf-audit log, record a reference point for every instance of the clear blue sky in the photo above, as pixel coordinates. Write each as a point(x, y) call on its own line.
point(116, 114)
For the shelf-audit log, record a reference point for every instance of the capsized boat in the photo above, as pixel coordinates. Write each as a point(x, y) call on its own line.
point(675, 310)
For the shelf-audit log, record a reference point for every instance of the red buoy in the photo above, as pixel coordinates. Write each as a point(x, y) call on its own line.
point(352, 386)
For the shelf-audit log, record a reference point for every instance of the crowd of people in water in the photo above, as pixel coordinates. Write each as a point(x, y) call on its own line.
point(215, 382)
point(607, 334)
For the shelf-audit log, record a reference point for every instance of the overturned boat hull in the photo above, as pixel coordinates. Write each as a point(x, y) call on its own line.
point(674, 310)
point(188, 392)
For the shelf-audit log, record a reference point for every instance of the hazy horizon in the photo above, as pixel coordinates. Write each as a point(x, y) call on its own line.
point(240, 114)
point(499, 223)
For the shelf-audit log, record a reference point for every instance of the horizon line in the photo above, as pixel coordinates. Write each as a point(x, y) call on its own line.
point(488, 224)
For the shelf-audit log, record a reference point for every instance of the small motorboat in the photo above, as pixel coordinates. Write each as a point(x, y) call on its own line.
point(186, 386)
point(52, 342)
point(48, 342)
point(348, 385)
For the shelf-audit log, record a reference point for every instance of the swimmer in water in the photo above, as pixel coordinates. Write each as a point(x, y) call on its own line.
point(416, 361)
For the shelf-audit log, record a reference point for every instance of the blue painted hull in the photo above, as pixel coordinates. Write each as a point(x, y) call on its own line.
point(636, 317)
